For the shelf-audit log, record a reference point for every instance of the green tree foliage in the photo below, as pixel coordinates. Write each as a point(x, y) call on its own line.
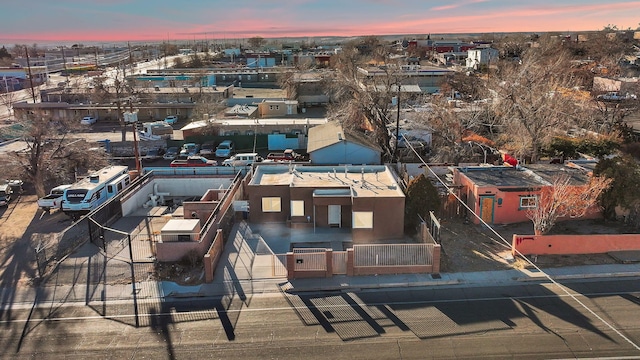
point(625, 173)
point(422, 197)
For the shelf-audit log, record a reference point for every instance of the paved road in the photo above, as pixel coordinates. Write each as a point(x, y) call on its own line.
point(525, 321)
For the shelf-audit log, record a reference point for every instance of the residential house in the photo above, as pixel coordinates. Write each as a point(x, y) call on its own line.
point(331, 144)
point(502, 194)
point(366, 199)
point(277, 108)
point(481, 56)
point(16, 78)
point(428, 78)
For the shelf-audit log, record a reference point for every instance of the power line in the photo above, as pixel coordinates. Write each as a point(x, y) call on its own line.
point(560, 286)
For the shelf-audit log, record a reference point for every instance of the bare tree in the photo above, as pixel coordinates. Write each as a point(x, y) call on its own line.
point(563, 199)
point(119, 90)
point(530, 100)
point(256, 42)
point(450, 126)
point(7, 99)
point(51, 156)
point(363, 104)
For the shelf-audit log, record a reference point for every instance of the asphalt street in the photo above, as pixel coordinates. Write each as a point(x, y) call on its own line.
point(530, 320)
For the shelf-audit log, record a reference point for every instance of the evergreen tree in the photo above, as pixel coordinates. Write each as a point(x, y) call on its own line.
point(4, 53)
point(422, 197)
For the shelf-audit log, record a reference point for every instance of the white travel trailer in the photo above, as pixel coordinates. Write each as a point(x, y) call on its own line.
point(94, 190)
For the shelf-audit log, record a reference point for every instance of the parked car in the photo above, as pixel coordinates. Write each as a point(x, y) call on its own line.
point(287, 155)
point(171, 119)
point(154, 154)
point(242, 159)
point(190, 149)
point(88, 120)
point(207, 148)
point(171, 153)
point(5, 194)
point(193, 161)
point(614, 96)
point(225, 149)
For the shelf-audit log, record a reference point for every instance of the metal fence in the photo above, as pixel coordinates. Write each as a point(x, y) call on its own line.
point(393, 255)
point(310, 259)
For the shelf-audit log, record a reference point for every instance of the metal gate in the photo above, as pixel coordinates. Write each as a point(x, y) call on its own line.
point(339, 261)
point(279, 265)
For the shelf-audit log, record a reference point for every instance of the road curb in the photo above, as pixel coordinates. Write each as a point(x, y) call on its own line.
point(579, 276)
point(296, 290)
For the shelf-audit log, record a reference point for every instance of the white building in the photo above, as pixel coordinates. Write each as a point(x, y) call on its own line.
point(480, 56)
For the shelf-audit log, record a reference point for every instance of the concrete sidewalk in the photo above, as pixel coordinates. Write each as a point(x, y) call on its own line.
point(484, 278)
point(221, 287)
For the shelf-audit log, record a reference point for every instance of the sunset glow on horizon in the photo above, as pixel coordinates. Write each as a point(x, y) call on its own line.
point(136, 20)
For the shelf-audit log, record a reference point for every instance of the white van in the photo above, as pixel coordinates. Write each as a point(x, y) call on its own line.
point(245, 159)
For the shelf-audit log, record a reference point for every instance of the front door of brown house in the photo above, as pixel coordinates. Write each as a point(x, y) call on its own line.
point(486, 208)
point(334, 215)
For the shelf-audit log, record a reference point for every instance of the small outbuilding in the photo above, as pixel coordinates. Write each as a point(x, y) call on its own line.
point(331, 144)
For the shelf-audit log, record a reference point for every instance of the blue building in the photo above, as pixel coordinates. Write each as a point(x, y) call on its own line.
point(331, 144)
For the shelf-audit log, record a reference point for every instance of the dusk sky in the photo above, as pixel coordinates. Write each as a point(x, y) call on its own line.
point(62, 21)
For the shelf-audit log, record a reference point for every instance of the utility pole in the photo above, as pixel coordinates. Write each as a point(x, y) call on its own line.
point(33, 93)
point(395, 150)
point(130, 57)
point(64, 61)
point(135, 138)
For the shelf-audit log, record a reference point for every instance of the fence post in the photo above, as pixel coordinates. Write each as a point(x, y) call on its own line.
point(329, 259)
point(291, 266)
point(350, 264)
point(435, 266)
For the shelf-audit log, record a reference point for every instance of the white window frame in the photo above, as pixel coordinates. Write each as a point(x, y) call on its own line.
point(528, 199)
point(297, 207)
point(362, 220)
point(271, 204)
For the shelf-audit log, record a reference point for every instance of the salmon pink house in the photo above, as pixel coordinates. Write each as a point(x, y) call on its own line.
point(503, 194)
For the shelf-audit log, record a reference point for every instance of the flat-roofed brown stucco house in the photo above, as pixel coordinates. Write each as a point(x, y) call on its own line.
point(365, 198)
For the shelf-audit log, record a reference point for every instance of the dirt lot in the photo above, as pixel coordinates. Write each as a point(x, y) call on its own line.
point(18, 223)
point(470, 247)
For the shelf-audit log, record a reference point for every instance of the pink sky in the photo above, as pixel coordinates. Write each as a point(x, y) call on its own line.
point(127, 20)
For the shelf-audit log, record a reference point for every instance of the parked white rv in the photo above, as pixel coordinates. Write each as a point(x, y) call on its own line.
point(89, 193)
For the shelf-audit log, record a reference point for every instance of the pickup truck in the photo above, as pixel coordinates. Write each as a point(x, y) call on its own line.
point(54, 199)
point(287, 155)
point(193, 161)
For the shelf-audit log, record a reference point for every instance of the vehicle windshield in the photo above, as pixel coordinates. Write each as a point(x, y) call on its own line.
point(76, 196)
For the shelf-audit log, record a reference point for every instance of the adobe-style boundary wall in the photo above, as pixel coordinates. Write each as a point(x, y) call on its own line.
point(431, 263)
point(573, 244)
point(220, 225)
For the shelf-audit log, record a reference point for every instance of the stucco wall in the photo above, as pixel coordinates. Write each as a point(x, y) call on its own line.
point(573, 244)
